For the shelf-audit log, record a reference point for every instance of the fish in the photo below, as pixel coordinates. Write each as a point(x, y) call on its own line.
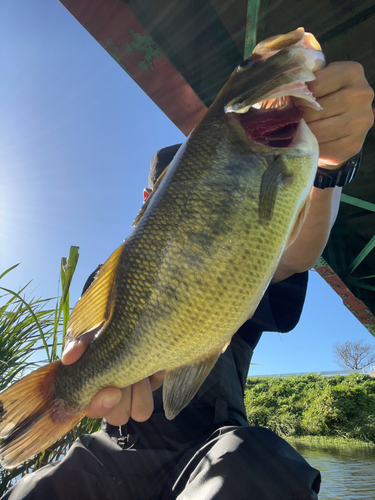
point(202, 252)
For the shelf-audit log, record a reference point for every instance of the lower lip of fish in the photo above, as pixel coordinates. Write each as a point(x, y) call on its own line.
point(273, 127)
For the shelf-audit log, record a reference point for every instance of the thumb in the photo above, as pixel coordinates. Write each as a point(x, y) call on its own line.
point(74, 349)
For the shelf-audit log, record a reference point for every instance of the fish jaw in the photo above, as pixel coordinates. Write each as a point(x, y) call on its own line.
point(260, 93)
point(273, 70)
point(296, 38)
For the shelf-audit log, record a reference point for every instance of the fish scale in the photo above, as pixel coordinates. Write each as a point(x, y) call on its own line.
point(203, 250)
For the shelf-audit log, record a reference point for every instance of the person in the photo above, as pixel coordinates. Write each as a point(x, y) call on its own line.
point(209, 451)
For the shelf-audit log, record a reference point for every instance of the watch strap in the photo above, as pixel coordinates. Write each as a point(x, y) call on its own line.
point(341, 177)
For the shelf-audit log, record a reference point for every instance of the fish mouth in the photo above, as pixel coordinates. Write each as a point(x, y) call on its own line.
point(264, 87)
point(273, 122)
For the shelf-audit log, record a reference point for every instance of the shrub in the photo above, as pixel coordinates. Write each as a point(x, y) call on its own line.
point(313, 405)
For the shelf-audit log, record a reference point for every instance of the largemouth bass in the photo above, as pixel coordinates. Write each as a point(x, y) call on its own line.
point(203, 251)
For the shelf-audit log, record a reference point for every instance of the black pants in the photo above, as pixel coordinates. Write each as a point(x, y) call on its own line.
point(233, 463)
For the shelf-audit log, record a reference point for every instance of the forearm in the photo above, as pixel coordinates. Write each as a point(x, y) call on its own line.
point(340, 128)
point(313, 237)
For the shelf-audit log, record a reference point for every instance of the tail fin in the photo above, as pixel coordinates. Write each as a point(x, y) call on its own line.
point(32, 417)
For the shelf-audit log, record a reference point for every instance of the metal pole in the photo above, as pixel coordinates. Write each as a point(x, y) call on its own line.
point(251, 26)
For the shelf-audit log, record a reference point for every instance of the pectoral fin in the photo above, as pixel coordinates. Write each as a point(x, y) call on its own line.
point(95, 306)
point(147, 202)
point(181, 384)
point(272, 178)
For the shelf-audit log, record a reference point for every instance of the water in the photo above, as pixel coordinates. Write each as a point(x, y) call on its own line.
point(348, 473)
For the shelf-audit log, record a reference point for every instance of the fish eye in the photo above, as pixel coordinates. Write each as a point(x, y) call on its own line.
point(245, 64)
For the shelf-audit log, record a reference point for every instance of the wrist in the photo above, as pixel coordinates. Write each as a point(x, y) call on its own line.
point(330, 166)
point(338, 175)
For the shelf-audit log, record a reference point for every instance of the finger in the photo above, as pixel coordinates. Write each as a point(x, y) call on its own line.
point(73, 350)
point(348, 100)
point(336, 76)
point(345, 133)
point(157, 379)
point(336, 152)
point(121, 412)
point(142, 401)
point(338, 88)
point(333, 105)
point(104, 402)
point(331, 129)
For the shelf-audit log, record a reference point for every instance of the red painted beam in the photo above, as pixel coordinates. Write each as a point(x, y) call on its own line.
point(114, 26)
point(355, 306)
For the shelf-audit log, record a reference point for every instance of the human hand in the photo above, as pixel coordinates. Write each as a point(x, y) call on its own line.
point(341, 126)
point(117, 405)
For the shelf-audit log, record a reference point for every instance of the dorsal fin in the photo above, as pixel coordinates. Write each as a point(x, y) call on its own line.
point(147, 202)
point(95, 306)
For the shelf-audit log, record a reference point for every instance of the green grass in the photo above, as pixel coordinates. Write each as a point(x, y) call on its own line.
point(330, 442)
point(32, 332)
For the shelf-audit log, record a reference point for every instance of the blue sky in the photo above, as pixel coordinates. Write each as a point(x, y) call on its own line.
point(76, 139)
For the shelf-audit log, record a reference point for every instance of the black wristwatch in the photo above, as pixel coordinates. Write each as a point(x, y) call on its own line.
point(330, 178)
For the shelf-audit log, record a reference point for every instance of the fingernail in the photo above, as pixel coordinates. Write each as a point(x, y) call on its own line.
point(68, 347)
point(111, 401)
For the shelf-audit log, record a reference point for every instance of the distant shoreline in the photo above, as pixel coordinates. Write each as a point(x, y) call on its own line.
point(329, 442)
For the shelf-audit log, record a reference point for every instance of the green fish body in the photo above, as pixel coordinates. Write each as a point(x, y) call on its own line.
point(203, 251)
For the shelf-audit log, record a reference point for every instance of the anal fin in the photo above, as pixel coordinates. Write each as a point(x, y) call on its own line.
point(182, 383)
